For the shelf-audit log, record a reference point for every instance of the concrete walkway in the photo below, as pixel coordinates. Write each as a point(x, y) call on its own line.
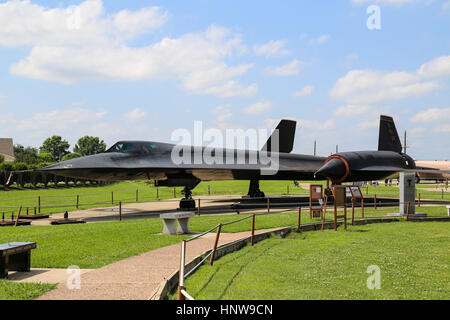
point(139, 277)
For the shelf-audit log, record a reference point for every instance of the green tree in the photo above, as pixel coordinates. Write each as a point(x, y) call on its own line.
point(20, 166)
point(45, 157)
point(2, 159)
point(6, 166)
point(88, 145)
point(27, 155)
point(56, 146)
point(71, 156)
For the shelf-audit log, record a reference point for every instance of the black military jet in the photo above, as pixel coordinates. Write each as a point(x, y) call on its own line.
point(146, 160)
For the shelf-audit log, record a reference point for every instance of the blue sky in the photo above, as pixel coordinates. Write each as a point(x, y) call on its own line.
point(142, 69)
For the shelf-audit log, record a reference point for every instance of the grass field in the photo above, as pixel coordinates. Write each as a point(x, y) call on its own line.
point(97, 244)
point(413, 258)
point(23, 291)
point(103, 196)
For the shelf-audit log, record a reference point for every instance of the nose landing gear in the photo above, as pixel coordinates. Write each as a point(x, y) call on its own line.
point(187, 202)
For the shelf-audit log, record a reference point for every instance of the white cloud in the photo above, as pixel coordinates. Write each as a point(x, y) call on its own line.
point(442, 129)
point(258, 108)
point(446, 6)
point(98, 49)
point(432, 115)
point(274, 48)
point(319, 40)
point(60, 119)
point(436, 68)
point(135, 115)
point(351, 111)
point(290, 69)
point(369, 86)
point(305, 91)
point(224, 114)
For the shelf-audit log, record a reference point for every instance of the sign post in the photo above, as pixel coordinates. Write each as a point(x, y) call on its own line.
point(340, 197)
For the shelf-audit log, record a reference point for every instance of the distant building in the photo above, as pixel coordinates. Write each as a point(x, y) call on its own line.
point(7, 149)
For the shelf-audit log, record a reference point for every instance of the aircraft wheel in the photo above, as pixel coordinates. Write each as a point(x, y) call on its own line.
point(187, 204)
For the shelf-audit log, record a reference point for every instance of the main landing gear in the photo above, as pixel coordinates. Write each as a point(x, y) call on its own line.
point(254, 191)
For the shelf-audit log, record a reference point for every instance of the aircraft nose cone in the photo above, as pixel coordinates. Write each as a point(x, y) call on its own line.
point(333, 169)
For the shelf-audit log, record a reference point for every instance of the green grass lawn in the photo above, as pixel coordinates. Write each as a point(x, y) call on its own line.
point(101, 196)
point(413, 258)
point(23, 291)
point(97, 244)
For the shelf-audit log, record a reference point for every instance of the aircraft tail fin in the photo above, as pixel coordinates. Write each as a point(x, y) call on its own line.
point(388, 139)
point(285, 132)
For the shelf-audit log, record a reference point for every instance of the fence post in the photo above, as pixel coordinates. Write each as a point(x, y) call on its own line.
point(407, 211)
point(209, 190)
point(198, 209)
point(287, 189)
point(181, 272)
point(362, 207)
point(120, 210)
point(253, 230)
point(353, 211)
point(112, 197)
point(268, 205)
point(375, 201)
point(78, 200)
point(174, 192)
point(157, 193)
point(419, 199)
point(18, 215)
point(442, 194)
point(216, 242)
point(137, 195)
point(39, 204)
point(299, 219)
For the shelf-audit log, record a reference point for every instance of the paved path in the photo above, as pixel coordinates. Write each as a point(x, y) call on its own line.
point(139, 277)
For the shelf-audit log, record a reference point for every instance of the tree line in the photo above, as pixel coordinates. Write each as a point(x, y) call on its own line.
point(54, 149)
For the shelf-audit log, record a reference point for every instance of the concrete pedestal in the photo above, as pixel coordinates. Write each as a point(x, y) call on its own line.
point(407, 186)
point(170, 220)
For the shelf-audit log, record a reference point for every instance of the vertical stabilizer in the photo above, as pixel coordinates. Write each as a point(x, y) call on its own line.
point(286, 135)
point(388, 139)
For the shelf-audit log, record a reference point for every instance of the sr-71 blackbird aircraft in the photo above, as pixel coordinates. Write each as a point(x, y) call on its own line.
point(141, 160)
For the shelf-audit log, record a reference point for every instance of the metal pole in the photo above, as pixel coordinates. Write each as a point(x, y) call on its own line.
point(216, 242)
point(120, 210)
point(419, 199)
point(253, 230)
point(39, 204)
point(78, 200)
point(299, 219)
point(198, 207)
point(375, 201)
point(112, 197)
point(181, 272)
point(268, 205)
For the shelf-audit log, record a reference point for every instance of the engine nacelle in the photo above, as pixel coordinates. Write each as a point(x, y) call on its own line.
point(364, 165)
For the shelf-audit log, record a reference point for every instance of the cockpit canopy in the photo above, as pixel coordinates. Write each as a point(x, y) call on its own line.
point(140, 147)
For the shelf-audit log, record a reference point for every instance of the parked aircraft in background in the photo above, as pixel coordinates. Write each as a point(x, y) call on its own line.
point(435, 165)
